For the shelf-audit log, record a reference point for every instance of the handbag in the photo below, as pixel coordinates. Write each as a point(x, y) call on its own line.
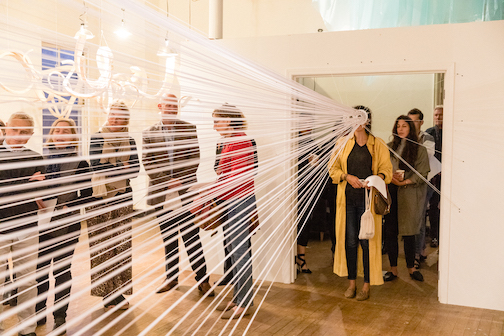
point(367, 228)
point(381, 204)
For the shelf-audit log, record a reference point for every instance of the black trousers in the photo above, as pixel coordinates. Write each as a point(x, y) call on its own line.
point(170, 229)
point(306, 204)
point(354, 211)
point(62, 273)
point(391, 235)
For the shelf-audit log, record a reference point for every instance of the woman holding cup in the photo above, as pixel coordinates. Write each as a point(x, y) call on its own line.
point(408, 190)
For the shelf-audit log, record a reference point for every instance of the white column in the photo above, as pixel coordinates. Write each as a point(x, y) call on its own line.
point(215, 20)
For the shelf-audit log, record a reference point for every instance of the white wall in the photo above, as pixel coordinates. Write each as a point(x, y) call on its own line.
point(245, 18)
point(388, 96)
point(472, 57)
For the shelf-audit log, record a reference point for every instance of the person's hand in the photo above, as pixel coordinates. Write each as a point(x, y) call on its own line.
point(312, 159)
point(196, 205)
point(354, 181)
point(40, 204)
point(396, 181)
point(38, 176)
point(401, 183)
point(174, 183)
point(398, 176)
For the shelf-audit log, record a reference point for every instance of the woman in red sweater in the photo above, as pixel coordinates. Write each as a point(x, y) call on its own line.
point(235, 190)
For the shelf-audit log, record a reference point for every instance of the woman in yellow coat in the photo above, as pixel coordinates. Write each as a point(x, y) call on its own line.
point(363, 155)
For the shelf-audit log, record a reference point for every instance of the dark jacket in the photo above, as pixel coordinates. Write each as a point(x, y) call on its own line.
point(24, 211)
point(437, 134)
point(74, 175)
point(164, 161)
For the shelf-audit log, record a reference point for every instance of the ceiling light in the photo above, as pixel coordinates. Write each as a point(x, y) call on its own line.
point(122, 32)
point(84, 32)
point(166, 50)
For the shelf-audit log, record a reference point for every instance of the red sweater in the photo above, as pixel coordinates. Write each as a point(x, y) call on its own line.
point(236, 164)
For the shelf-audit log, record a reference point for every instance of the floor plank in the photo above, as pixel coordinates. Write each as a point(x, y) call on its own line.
point(313, 305)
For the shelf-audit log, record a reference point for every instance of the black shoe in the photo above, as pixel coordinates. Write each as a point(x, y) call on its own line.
point(303, 263)
point(6, 298)
point(13, 298)
point(434, 243)
point(58, 322)
point(167, 286)
point(416, 275)
point(423, 258)
point(30, 334)
point(42, 321)
point(204, 288)
point(417, 263)
point(389, 276)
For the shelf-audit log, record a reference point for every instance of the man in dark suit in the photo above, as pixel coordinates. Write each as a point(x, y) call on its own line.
point(20, 172)
point(171, 158)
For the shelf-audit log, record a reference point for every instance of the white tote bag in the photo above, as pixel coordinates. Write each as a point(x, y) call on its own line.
point(367, 220)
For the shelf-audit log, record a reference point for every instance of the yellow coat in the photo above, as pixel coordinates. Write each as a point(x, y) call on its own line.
point(338, 166)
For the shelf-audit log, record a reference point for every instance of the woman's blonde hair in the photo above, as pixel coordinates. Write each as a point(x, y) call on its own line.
point(119, 105)
point(73, 129)
point(237, 117)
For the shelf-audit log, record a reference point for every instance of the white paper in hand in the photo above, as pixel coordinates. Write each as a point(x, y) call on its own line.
point(378, 183)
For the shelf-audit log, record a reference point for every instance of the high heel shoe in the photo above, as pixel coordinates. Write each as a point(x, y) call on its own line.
point(303, 263)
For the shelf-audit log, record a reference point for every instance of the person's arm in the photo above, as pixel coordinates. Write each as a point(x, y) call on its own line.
point(218, 150)
point(429, 144)
point(421, 166)
point(83, 177)
point(334, 165)
point(151, 156)
point(133, 166)
point(382, 154)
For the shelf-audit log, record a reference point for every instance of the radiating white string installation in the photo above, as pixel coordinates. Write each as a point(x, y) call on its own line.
point(140, 158)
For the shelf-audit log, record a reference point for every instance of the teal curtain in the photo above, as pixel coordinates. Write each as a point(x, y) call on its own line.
point(341, 15)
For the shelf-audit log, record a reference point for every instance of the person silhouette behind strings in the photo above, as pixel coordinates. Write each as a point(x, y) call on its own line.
point(437, 132)
point(428, 142)
point(228, 278)
point(114, 162)
point(171, 158)
point(9, 297)
point(18, 212)
point(57, 240)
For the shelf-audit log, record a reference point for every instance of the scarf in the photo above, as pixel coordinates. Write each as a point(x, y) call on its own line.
point(114, 143)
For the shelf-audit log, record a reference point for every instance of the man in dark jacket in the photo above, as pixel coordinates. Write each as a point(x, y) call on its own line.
point(171, 158)
point(20, 172)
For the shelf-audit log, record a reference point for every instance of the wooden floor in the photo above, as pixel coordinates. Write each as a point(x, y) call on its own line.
point(313, 305)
